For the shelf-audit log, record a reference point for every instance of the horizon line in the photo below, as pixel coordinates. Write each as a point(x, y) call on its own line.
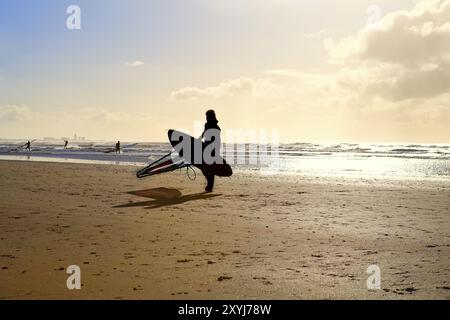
point(281, 142)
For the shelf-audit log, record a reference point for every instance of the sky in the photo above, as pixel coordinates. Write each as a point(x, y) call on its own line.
point(323, 70)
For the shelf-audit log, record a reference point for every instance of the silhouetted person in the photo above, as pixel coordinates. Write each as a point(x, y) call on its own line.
point(66, 142)
point(118, 147)
point(211, 123)
point(28, 145)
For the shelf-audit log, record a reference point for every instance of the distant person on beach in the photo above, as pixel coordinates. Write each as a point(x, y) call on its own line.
point(211, 123)
point(118, 147)
point(28, 145)
point(66, 142)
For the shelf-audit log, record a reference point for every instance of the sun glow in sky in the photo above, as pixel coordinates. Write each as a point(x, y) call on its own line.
point(352, 70)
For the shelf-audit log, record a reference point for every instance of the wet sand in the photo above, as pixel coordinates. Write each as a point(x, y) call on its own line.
point(268, 237)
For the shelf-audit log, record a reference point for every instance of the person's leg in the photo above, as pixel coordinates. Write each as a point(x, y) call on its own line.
point(210, 182)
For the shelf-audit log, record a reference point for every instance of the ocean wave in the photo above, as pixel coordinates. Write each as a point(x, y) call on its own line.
point(301, 149)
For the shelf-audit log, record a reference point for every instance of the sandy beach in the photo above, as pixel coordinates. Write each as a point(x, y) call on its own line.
point(255, 236)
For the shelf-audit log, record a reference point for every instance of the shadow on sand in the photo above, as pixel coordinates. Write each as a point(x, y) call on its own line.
point(164, 197)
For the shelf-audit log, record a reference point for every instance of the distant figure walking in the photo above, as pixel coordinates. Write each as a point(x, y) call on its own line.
point(28, 145)
point(66, 142)
point(118, 147)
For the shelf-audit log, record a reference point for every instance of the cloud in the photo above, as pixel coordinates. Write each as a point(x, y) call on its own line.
point(13, 113)
point(419, 36)
point(22, 121)
point(306, 78)
point(391, 78)
point(397, 83)
point(232, 88)
point(103, 116)
point(136, 63)
point(319, 34)
point(406, 55)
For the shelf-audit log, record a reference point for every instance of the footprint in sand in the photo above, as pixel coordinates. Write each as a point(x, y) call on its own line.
point(184, 260)
point(443, 287)
point(222, 278)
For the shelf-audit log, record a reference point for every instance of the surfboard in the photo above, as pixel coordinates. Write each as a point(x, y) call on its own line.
point(194, 156)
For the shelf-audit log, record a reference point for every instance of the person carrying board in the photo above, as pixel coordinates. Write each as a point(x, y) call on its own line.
point(211, 124)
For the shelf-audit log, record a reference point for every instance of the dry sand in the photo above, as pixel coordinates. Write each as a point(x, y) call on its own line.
point(271, 237)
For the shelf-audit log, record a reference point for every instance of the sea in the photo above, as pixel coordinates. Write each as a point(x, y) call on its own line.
point(369, 160)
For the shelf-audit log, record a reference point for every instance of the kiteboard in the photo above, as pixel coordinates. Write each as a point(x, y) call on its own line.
point(185, 154)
